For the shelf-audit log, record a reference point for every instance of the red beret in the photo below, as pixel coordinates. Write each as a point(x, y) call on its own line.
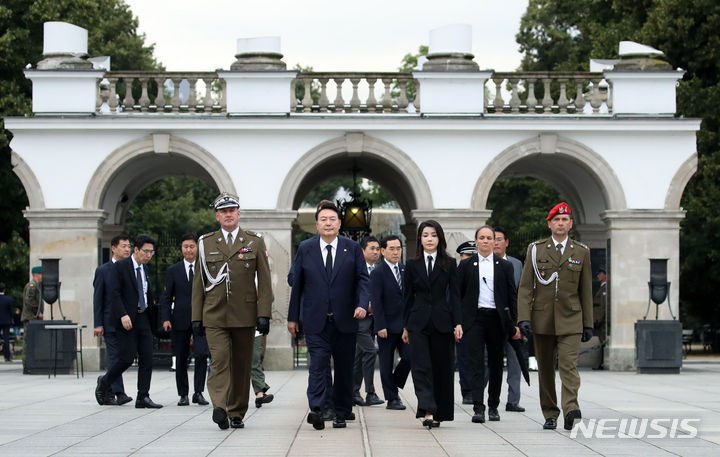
point(560, 208)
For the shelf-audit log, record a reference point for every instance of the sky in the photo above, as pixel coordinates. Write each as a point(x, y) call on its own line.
point(329, 35)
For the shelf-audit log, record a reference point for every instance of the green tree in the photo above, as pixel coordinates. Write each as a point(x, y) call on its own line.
point(408, 64)
point(112, 30)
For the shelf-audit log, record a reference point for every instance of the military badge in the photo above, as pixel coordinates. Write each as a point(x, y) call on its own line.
point(574, 262)
point(245, 250)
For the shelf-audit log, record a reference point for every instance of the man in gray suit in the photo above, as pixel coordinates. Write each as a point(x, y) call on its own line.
point(513, 366)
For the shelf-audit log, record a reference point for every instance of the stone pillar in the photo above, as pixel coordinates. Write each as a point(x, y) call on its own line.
point(73, 236)
point(593, 236)
point(459, 225)
point(635, 237)
point(410, 232)
point(276, 229)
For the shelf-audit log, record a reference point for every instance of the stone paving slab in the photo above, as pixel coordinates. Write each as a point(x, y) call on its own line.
point(59, 417)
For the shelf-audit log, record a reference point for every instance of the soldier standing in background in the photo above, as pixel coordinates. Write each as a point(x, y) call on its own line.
point(32, 306)
point(600, 314)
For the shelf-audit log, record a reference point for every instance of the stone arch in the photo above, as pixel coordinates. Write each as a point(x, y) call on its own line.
point(168, 149)
point(33, 190)
point(555, 147)
point(401, 174)
point(680, 181)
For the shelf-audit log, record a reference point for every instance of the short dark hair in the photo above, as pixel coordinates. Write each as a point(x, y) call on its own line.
point(118, 238)
point(143, 239)
point(501, 230)
point(484, 226)
point(386, 238)
point(2, 287)
point(189, 236)
point(368, 239)
point(327, 204)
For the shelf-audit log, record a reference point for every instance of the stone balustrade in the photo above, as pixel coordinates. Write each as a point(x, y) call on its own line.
point(542, 93)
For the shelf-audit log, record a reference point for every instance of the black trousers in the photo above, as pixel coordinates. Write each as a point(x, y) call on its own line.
point(138, 340)
point(112, 345)
point(486, 333)
point(5, 330)
point(181, 351)
point(393, 379)
point(365, 354)
point(463, 368)
point(431, 360)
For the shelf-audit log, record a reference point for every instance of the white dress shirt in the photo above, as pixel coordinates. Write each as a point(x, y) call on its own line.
point(486, 278)
point(562, 243)
point(434, 257)
point(234, 234)
point(187, 268)
point(323, 249)
point(142, 273)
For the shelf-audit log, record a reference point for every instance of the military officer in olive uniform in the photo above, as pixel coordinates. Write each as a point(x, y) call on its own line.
point(600, 314)
point(228, 306)
point(555, 303)
point(32, 304)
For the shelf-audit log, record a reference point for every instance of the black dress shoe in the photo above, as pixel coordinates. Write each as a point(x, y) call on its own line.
point(357, 400)
point(183, 400)
point(317, 419)
point(435, 424)
point(328, 415)
point(110, 400)
point(570, 418)
point(199, 399)
point(428, 422)
point(145, 402)
point(339, 423)
point(100, 391)
point(123, 398)
point(373, 399)
point(493, 414)
point(350, 416)
point(467, 400)
point(479, 416)
point(236, 422)
point(266, 398)
point(550, 424)
point(219, 416)
point(514, 408)
point(395, 404)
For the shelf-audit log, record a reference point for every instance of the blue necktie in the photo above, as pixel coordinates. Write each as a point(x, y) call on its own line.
point(397, 276)
point(141, 292)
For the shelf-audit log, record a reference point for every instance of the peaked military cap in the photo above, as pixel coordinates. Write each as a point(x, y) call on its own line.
point(560, 208)
point(226, 200)
point(467, 247)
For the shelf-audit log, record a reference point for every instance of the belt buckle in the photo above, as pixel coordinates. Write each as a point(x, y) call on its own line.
point(331, 317)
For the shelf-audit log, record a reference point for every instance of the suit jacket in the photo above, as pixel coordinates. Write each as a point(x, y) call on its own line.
point(387, 298)
point(434, 298)
point(241, 301)
point(504, 292)
point(178, 289)
point(102, 311)
point(344, 291)
point(6, 305)
point(517, 269)
point(122, 284)
point(568, 310)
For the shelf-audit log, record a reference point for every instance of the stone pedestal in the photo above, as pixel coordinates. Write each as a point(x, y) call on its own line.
point(73, 236)
point(635, 237)
point(448, 92)
point(276, 229)
point(459, 225)
point(258, 92)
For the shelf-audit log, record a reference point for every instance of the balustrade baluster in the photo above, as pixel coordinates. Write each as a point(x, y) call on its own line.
point(208, 100)
point(403, 100)
point(113, 97)
point(355, 99)
point(596, 97)
point(128, 101)
point(531, 101)
point(498, 102)
point(144, 98)
point(160, 96)
point(293, 95)
point(324, 100)
point(387, 98)
point(339, 103)
point(307, 100)
point(562, 99)
point(579, 99)
point(98, 96)
point(371, 100)
point(514, 98)
point(547, 100)
point(192, 97)
point(416, 100)
point(222, 104)
point(609, 95)
point(175, 100)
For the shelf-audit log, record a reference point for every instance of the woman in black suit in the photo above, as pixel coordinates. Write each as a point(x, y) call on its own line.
point(432, 323)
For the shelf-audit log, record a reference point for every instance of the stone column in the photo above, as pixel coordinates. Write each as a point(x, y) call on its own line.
point(73, 236)
point(276, 229)
point(410, 232)
point(635, 237)
point(593, 236)
point(459, 225)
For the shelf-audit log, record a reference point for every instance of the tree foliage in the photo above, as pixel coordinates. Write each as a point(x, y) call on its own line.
point(554, 36)
point(408, 64)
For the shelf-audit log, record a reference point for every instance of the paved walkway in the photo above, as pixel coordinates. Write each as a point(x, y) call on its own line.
point(59, 417)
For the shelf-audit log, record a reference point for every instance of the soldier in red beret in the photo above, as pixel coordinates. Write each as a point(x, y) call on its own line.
point(555, 303)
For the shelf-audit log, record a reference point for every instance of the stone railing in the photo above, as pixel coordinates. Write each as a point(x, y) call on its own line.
point(353, 93)
point(543, 92)
point(182, 92)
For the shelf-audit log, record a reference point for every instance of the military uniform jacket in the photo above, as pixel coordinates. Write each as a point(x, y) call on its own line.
point(568, 309)
point(236, 301)
point(32, 301)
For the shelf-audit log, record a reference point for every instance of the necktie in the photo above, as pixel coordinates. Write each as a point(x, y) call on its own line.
point(397, 276)
point(141, 291)
point(429, 265)
point(190, 274)
point(559, 248)
point(371, 268)
point(329, 261)
point(230, 240)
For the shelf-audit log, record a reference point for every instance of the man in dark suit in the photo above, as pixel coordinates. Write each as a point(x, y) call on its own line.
point(130, 298)
point(331, 281)
point(176, 314)
point(387, 302)
point(104, 323)
point(489, 314)
point(6, 306)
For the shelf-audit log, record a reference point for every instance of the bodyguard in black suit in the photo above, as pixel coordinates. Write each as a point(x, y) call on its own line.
point(331, 281)
point(6, 306)
point(130, 299)
point(432, 318)
point(176, 316)
point(104, 324)
point(489, 315)
point(387, 303)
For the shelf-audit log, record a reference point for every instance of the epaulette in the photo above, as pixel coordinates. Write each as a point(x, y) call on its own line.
point(255, 234)
point(581, 245)
point(206, 235)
